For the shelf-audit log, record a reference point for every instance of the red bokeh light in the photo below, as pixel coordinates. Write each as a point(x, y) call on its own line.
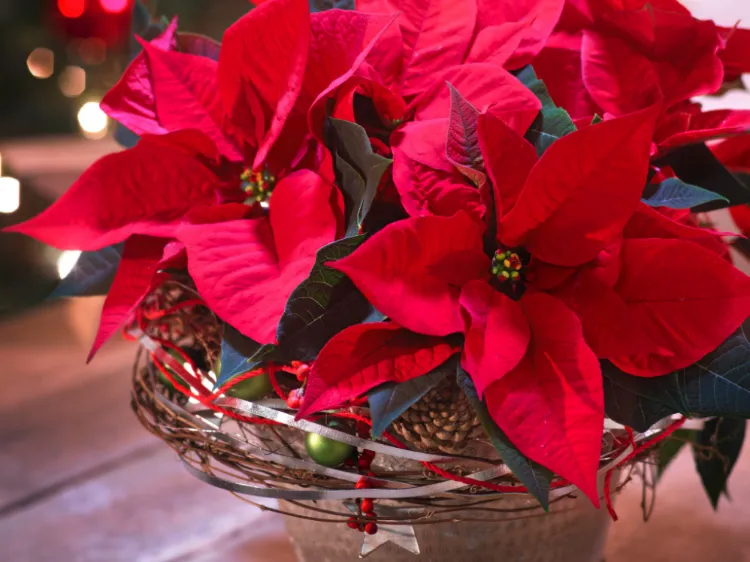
point(71, 8)
point(114, 6)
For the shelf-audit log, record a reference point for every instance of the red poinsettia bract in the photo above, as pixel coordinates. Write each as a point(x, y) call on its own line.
point(203, 122)
point(580, 270)
point(609, 58)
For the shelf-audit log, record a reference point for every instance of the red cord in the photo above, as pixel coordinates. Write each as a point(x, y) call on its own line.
point(637, 450)
point(171, 310)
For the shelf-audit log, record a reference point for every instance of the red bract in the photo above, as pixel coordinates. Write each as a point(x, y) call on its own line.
point(562, 289)
point(249, 108)
point(614, 59)
point(433, 35)
point(364, 356)
point(253, 102)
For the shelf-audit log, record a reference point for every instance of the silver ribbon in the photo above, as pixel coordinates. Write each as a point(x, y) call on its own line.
point(390, 489)
point(256, 410)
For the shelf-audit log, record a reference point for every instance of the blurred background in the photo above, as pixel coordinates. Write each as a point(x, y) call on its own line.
point(57, 59)
point(80, 480)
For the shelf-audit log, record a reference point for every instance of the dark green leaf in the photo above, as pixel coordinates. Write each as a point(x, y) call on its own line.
point(360, 177)
point(676, 194)
point(322, 305)
point(462, 146)
point(323, 5)
point(671, 446)
point(716, 450)
point(696, 164)
point(638, 402)
point(388, 401)
point(92, 274)
point(717, 385)
point(240, 354)
point(596, 120)
point(199, 45)
point(534, 476)
point(552, 122)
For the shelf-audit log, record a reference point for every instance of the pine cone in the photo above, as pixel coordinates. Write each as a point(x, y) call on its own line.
point(443, 420)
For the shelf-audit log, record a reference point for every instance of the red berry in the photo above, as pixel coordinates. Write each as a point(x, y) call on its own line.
point(294, 400)
point(371, 528)
point(367, 505)
point(362, 483)
point(367, 454)
point(364, 464)
point(352, 523)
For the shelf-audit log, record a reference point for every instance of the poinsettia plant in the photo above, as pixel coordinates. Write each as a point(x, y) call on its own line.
point(402, 189)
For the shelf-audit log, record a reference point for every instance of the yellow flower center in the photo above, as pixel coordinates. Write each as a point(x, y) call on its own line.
point(257, 185)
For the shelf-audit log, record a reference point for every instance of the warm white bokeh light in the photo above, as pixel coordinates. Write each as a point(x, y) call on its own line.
point(10, 195)
point(66, 262)
point(41, 63)
point(92, 120)
point(72, 81)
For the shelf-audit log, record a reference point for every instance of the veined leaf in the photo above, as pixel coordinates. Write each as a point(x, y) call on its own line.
point(716, 450)
point(552, 122)
point(676, 194)
point(388, 401)
point(695, 164)
point(534, 476)
point(322, 305)
point(92, 274)
point(462, 146)
point(352, 146)
point(717, 385)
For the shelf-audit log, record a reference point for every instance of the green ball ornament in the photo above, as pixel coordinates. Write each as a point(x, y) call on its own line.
point(254, 388)
point(327, 452)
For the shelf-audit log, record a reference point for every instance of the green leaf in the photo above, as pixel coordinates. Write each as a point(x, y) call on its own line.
point(322, 305)
point(92, 274)
point(388, 401)
point(240, 354)
point(671, 446)
point(552, 122)
point(596, 120)
point(632, 402)
point(717, 385)
point(695, 164)
point(360, 171)
point(534, 476)
point(676, 194)
point(716, 450)
point(323, 5)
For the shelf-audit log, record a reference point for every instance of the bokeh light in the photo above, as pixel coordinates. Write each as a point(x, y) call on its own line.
point(41, 63)
point(72, 81)
point(10, 195)
point(92, 120)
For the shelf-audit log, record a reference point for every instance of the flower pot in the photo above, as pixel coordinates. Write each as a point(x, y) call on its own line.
point(572, 531)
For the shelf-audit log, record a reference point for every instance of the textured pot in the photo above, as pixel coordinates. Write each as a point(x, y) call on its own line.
point(573, 531)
